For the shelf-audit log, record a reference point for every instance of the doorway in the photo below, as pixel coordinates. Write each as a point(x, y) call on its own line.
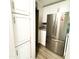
point(52, 27)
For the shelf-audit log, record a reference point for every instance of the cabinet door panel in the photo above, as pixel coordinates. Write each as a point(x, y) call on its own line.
point(43, 37)
point(21, 6)
point(21, 29)
point(23, 51)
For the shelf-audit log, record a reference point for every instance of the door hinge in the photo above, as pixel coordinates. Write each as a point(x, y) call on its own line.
point(17, 52)
point(14, 20)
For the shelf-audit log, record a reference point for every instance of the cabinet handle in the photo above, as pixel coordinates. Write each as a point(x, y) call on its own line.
point(17, 52)
point(12, 4)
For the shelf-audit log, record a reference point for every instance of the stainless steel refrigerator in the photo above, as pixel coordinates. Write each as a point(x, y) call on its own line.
point(53, 43)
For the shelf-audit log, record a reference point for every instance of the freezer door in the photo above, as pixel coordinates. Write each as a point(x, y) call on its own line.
point(55, 46)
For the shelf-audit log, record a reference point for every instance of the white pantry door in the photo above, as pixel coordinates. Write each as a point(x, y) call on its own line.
point(23, 12)
point(21, 28)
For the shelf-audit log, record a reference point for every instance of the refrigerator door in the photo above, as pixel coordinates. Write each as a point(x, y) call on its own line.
point(63, 26)
point(51, 25)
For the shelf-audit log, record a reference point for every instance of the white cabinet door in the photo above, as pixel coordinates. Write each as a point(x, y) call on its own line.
point(43, 37)
point(21, 6)
point(23, 51)
point(21, 28)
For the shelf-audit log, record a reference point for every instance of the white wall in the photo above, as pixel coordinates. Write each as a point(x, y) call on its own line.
point(6, 31)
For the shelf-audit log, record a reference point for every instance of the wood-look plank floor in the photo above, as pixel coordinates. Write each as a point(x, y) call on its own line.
point(44, 53)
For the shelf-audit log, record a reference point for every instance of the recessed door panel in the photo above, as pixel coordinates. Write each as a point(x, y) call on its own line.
point(21, 6)
point(23, 51)
point(21, 29)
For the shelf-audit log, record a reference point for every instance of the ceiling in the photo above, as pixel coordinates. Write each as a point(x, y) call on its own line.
point(47, 2)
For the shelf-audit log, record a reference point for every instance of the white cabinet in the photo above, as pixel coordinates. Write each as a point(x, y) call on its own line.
point(23, 51)
point(21, 28)
point(42, 37)
point(21, 6)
